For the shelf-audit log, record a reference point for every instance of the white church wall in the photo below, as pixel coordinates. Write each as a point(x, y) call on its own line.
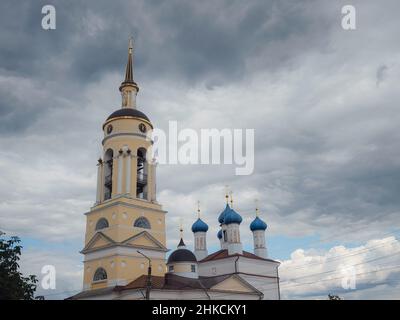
point(268, 286)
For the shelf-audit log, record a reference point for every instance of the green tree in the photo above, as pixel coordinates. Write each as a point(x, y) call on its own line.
point(13, 285)
point(333, 297)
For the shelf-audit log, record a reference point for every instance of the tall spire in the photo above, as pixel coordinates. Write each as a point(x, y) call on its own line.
point(129, 87)
point(226, 194)
point(257, 213)
point(129, 65)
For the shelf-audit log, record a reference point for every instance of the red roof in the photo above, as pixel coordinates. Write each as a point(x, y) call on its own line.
point(221, 254)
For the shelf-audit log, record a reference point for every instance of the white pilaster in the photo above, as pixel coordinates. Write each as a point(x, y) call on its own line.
point(153, 181)
point(234, 244)
point(200, 245)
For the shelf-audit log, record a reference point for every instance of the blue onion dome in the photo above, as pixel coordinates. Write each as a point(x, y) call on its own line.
point(199, 226)
point(258, 224)
point(232, 217)
point(223, 213)
point(219, 234)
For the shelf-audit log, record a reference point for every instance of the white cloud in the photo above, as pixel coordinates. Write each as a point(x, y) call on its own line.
point(313, 275)
point(69, 271)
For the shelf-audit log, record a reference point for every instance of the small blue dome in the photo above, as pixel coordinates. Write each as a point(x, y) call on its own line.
point(199, 226)
point(223, 213)
point(219, 234)
point(232, 217)
point(258, 224)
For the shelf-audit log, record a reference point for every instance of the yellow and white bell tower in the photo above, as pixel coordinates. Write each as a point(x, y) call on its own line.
point(126, 217)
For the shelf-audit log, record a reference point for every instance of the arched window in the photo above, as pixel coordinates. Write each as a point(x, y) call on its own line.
point(101, 224)
point(142, 222)
point(108, 170)
point(141, 182)
point(100, 275)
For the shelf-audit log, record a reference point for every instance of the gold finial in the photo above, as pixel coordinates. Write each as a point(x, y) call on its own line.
point(198, 209)
point(181, 228)
point(226, 194)
point(256, 201)
point(231, 194)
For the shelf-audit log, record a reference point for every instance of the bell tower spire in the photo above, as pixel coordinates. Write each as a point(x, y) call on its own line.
point(129, 87)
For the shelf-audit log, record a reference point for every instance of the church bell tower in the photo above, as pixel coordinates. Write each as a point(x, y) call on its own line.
point(126, 217)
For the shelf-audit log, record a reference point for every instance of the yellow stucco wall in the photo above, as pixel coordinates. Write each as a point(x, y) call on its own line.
point(232, 284)
point(183, 267)
point(121, 219)
point(133, 142)
point(124, 208)
point(120, 267)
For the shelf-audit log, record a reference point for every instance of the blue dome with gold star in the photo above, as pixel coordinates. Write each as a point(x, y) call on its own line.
point(223, 213)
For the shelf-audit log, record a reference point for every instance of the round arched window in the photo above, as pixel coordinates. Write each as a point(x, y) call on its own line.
point(142, 222)
point(102, 224)
point(100, 275)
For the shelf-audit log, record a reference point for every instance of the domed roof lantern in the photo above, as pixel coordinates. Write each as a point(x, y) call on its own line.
point(232, 216)
point(257, 223)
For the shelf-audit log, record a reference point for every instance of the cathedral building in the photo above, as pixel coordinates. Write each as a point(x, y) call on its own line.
point(125, 241)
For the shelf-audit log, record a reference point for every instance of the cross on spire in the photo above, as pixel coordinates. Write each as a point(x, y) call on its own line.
point(256, 201)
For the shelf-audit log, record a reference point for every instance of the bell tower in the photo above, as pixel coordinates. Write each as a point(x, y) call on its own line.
point(126, 217)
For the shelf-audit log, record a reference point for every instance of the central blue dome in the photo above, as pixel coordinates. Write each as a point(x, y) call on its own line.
point(223, 213)
point(199, 226)
point(232, 217)
point(258, 224)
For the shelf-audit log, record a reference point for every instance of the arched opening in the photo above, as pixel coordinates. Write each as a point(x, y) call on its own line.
point(101, 224)
point(225, 236)
point(141, 181)
point(108, 170)
point(142, 222)
point(100, 275)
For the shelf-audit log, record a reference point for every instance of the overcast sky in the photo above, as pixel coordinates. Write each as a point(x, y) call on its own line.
point(323, 102)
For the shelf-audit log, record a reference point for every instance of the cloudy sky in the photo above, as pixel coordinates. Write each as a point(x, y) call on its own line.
point(323, 102)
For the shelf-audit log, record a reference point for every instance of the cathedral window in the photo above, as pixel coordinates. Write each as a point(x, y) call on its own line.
point(100, 275)
point(142, 222)
point(141, 181)
point(170, 268)
point(193, 268)
point(101, 224)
